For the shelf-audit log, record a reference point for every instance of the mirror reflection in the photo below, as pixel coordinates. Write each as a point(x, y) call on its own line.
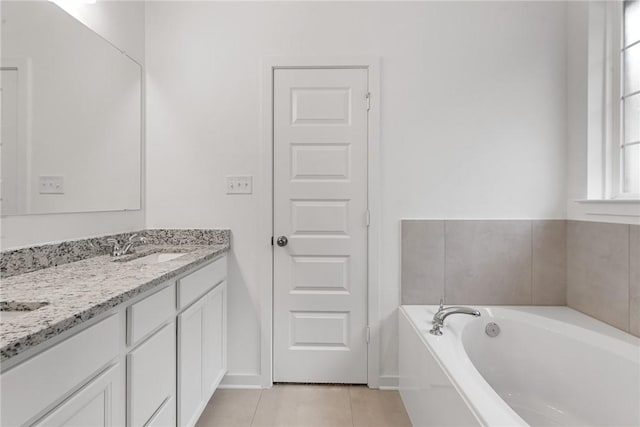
point(71, 116)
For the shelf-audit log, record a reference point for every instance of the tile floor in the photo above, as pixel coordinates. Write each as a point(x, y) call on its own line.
point(305, 406)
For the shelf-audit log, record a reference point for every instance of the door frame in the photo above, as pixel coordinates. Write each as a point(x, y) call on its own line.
point(23, 67)
point(265, 259)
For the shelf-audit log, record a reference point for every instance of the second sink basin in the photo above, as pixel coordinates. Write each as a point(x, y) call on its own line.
point(9, 310)
point(156, 258)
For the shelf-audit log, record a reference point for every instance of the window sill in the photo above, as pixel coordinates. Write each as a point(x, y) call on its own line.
point(621, 208)
point(609, 201)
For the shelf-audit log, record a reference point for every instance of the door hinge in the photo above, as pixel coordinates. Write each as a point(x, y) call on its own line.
point(367, 101)
point(368, 334)
point(367, 218)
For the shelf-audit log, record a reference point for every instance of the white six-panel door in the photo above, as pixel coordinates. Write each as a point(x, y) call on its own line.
point(320, 207)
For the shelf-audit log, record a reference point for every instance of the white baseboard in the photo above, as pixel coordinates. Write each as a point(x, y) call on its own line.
point(247, 381)
point(389, 382)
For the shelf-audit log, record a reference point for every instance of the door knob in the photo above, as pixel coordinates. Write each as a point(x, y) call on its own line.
point(282, 241)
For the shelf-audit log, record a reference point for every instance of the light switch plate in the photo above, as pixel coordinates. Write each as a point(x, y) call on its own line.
point(239, 184)
point(51, 185)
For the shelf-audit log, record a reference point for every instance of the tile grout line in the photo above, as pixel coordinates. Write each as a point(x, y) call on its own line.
point(532, 260)
point(351, 407)
point(444, 264)
point(629, 278)
point(255, 411)
point(566, 263)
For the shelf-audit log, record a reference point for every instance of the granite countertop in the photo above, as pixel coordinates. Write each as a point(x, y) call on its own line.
point(78, 291)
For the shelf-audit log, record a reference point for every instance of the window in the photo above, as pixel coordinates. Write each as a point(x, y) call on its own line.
point(629, 152)
point(613, 134)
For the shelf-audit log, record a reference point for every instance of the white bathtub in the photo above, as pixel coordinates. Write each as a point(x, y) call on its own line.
point(548, 366)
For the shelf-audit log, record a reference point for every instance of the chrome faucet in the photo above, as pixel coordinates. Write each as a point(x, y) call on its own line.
point(134, 239)
point(443, 313)
point(117, 250)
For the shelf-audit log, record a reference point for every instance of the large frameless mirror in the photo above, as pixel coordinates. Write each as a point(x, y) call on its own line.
point(71, 116)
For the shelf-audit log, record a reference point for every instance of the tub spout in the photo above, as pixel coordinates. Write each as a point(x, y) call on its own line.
point(443, 313)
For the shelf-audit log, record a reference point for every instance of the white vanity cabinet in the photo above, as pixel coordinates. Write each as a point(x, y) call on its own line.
point(154, 361)
point(201, 341)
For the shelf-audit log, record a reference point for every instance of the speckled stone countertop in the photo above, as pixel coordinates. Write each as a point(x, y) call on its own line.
point(78, 291)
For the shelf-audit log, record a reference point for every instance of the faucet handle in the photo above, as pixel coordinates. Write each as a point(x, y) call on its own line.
point(115, 246)
point(135, 238)
point(441, 304)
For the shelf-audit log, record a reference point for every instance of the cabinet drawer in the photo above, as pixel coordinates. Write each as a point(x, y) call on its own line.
point(193, 286)
point(58, 370)
point(145, 316)
point(151, 375)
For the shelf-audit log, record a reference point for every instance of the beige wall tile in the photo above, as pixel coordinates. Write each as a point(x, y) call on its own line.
point(634, 280)
point(598, 271)
point(488, 262)
point(549, 262)
point(422, 264)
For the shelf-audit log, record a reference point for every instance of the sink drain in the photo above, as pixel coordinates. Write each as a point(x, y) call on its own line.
point(492, 329)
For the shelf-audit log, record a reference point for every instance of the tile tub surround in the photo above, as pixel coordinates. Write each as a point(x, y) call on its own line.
point(78, 291)
point(592, 267)
point(603, 279)
point(491, 262)
point(634, 280)
point(24, 260)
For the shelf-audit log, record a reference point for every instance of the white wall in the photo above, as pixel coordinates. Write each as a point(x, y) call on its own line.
point(123, 24)
point(577, 60)
point(473, 121)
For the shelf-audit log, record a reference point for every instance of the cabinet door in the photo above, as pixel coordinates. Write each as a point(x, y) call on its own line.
point(165, 416)
point(190, 363)
point(99, 403)
point(215, 338)
point(152, 377)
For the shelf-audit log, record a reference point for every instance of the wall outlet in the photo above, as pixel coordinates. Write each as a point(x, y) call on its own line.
point(51, 185)
point(239, 184)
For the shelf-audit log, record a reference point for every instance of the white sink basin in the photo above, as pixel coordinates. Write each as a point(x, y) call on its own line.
point(156, 258)
point(10, 310)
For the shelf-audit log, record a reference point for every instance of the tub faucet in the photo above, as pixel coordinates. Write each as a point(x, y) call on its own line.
point(443, 313)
